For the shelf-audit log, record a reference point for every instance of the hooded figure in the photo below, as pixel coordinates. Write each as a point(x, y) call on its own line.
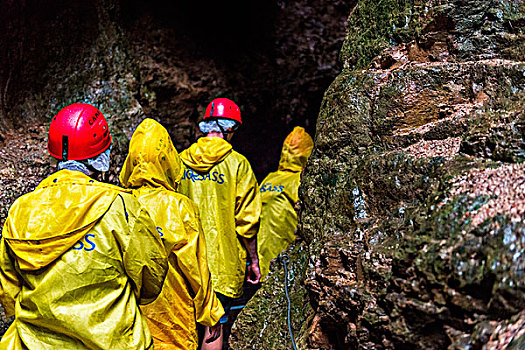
point(153, 171)
point(223, 183)
point(224, 187)
point(279, 193)
point(77, 256)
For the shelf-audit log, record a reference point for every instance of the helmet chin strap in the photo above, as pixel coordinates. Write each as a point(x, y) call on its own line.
point(65, 147)
point(224, 132)
point(104, 176)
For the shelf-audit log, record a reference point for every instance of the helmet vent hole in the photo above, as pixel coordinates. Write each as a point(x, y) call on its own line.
point(94, 135)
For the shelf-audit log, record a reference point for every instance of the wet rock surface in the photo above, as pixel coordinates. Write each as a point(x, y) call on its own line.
point(412, 217)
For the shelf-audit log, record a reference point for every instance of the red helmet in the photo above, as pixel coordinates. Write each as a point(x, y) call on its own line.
point(79, 131)
point(223, 108)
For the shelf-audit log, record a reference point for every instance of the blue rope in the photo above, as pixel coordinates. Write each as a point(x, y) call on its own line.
point(286, 260)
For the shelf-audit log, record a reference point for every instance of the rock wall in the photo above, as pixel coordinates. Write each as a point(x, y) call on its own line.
point(414, 197)
point(167, 59)
point(82, 56)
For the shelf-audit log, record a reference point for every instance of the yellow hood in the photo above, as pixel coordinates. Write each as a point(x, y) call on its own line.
point(55, 216)
point(296, 149)
point(152, 159)
point(205, 153)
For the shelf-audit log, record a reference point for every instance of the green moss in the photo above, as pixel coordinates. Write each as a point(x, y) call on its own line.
point(375, 25)
point(382, 123)
point(263, 322)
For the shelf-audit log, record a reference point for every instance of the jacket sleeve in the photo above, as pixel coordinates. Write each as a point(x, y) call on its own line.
point(191, 259)
point(9, 283)
point(247, 202)
point(144, 255)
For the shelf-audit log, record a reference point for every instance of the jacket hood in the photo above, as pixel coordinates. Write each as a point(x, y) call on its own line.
point(297, 148)
point(152, 159)
point(205, 153)
point(45, 223)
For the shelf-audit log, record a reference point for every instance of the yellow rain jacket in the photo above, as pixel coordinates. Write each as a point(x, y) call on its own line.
point(153, 170)
point(77, 257)
point(279, 193)
point(223, 185)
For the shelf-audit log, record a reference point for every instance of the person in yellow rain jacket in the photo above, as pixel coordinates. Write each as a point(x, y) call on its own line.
point(153, 170)
point(77, 256)
point(279, 193)
point(223, 185)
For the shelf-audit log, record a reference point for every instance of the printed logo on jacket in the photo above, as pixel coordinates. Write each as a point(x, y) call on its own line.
point(211, 176)
point(268, 187)
point(84, 242)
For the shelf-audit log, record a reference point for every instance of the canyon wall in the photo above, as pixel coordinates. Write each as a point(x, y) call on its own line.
point(411, 232)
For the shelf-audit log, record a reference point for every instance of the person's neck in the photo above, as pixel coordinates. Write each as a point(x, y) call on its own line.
point(215, 134)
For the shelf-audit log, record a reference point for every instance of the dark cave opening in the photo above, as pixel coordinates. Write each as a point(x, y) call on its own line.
point(219, 29)
point(265, 60)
